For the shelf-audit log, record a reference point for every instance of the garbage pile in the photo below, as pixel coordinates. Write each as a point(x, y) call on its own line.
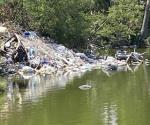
point(29, 53)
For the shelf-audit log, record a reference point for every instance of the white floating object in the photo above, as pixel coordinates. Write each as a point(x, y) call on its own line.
point(136, 63)
point(147, 63)
point(85, 87)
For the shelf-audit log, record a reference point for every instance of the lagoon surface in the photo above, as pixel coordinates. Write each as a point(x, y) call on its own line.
point(117, 98)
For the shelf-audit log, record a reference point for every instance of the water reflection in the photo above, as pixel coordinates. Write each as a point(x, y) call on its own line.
point(126, 68)
point(122, 99)
point(36, 86)
point(29, 89)
point(110, 114)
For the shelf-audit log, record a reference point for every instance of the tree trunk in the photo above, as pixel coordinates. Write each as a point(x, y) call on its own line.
point(144, 29)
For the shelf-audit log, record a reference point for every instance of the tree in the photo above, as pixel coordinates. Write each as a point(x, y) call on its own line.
point(123, 21)
point(76, 23)
point(144, 29)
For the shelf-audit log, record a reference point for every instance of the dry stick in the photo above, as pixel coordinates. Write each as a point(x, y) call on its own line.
point(128, 58)
point(9, 39)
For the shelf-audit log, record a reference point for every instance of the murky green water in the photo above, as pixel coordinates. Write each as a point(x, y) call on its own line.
point(121, 99)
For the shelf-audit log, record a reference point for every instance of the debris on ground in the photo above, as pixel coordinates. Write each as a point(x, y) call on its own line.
point(28, 53)
point(38, 55)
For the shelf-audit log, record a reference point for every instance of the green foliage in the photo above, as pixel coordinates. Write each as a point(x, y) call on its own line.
point(2, 2)
point(62, 20)
point(123, 21)
point(76, 23)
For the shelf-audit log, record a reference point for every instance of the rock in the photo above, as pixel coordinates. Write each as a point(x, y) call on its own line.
point(112, 66)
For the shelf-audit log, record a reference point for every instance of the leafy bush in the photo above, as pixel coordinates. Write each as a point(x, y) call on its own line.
point(77, 23)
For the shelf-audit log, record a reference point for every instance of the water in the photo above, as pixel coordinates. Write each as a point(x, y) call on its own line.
point(122, 98)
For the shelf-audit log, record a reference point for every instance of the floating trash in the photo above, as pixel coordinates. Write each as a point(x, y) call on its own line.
point(147, 63)
point(85, 87)
point(136, 63)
